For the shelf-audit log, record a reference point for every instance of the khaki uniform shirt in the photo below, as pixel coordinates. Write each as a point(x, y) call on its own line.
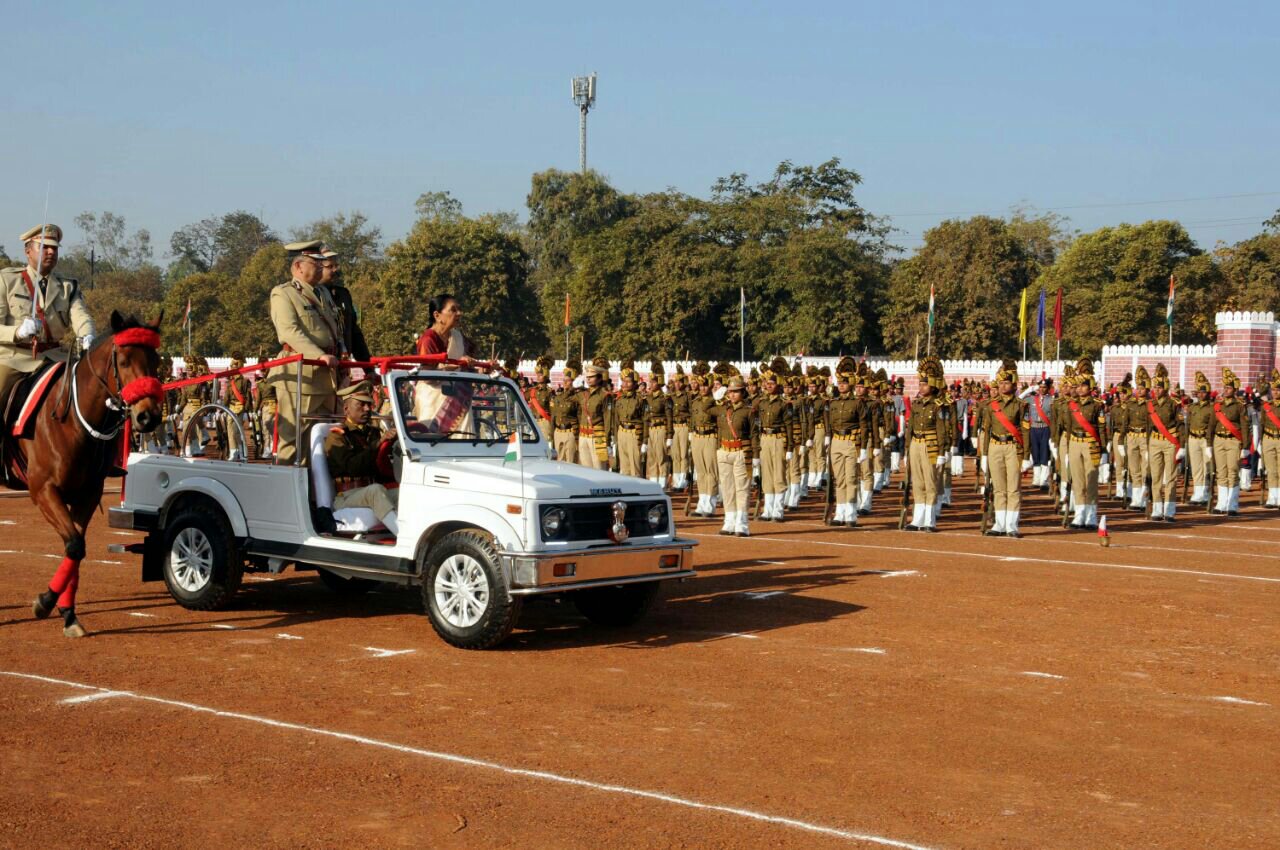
point(1015, 410)
point(352, 452)
point(680, 407)
point(61, 306)
point(736, 426)
point(1200, 419)
point(1235, 412)
point(702, 414)
point(774, 415)
point(306, 323)
point(594, 408)
point(1170, 413)
point(629, 413)
point(847, 416)
point(564, 410)
point(658, 411)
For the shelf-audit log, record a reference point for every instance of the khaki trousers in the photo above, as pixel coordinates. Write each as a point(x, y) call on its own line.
point(880, 459)
point(587, 453)
point(544, 425)
point(817, 461)
point(1226, 461)
point(1135, 459)
point(1271, 459)
point(1005, 468)
point(1064, 449)
point(234, 443)
point(733, 468)
point(287, 427)
point(375, 497)
point(706, 463)
point(8, 377)
point(1199, 463)
point(656, 465)
point(926, 480)
point(1084, 471)
point(773, 463)
point(866, 471)
point(1164, 471)
point(679, 449)
point(844, 468)
point(565, 442)
point(795, 466)
point(629, 453)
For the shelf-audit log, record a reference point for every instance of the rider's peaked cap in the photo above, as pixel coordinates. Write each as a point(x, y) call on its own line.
point(52, 234)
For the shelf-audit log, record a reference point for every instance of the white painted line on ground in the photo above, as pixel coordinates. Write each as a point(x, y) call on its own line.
point(739, 635)
point(222, 626)
point(763, 594)
point(94, 697)
point(900, 573)
point(11, 552)
point(7, 522)
point(125, 533)
point(870, 650)
point(140, 614)
point(984, 556)
point(387, 653)
point(1040, 675)
point(116, 563)
point(1238, 701)
point(285, 636)
point(772, 563)
point(451, 758)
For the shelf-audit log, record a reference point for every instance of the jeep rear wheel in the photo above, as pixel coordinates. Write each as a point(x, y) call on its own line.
point(466, 597)
point(202, 567)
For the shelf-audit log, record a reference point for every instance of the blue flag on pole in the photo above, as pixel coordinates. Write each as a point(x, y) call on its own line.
point(1040, 316)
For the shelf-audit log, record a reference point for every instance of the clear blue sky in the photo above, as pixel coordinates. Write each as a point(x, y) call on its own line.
point(168, 113)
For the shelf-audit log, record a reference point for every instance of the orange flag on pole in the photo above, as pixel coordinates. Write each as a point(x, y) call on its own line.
point(566, 309)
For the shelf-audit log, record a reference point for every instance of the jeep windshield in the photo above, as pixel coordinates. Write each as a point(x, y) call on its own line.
point(462, 407)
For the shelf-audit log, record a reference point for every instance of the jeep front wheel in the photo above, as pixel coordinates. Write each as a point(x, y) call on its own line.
point(466, 598)
point(202, 568)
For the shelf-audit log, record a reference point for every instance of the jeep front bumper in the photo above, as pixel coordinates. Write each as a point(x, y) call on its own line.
point(603, 566)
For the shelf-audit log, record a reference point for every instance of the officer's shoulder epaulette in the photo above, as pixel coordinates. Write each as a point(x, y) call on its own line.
point(12, 271)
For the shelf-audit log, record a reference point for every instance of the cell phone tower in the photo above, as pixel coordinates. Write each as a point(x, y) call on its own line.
point(584, 96)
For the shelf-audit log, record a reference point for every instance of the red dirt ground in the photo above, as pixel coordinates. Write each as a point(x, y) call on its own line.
point(896, 707)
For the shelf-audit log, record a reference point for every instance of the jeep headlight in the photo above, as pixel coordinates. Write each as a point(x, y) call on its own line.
point(553, 520)
point(657, 517)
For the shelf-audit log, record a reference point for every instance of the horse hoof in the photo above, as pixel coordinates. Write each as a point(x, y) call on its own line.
point(75, 630)
point(41, 608)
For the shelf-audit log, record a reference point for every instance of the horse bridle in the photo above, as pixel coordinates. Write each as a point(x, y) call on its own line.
point(124, 396)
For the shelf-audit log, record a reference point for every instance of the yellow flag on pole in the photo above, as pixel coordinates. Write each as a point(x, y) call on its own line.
point(1022, 318)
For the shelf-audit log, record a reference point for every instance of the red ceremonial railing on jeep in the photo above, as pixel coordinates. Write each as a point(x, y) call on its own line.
point(381, 365)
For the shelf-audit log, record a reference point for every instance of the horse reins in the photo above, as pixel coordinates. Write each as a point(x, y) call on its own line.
point(119, 401)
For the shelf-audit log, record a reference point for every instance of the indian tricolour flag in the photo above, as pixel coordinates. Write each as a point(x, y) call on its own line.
point(1168, 311)
point(515, 450)
point(931, 305)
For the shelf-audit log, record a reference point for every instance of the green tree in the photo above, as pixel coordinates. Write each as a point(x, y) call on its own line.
point(138, 292)
point(1115, 284)
point(472, 259)
point(223, 244)
point(113, 249)
point(209, 317)
point(439, 206)
point(1252, 271)
point(246, 302)
point(350, 234)
point(978, 268)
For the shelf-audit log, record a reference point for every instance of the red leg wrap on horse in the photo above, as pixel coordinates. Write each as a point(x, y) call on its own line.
point(67, 599)
point(60, 578)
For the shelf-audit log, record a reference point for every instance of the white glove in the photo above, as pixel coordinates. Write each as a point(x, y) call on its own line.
point(29, 328)
point(86, 342)
point(862, 456)
point(942, 459)
point(808, 444)
point(789, 457)
point(1177, 456)
point(644, 448)
point(1104, 460)
point(755, 464)
point(826, 441)
point(888, 441)
point(984, 464)
point(1208, 452)
point(1120, 451)
point(668, 444)
point(1053, 450)
point(612, 450)
point(1026, 465)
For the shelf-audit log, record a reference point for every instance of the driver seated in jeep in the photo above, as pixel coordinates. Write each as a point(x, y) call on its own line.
point(351, 452)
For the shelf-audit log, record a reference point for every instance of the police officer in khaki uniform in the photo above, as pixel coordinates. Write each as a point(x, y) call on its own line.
point(928, 433)
point(1138, 422)
point(594, 411)
point(847, 422)
point(1166, 445)
point(351, 452)
point(704, 439)
point(1085, 423)
point(680, 397)
point(1200, 421)
point(801, 439)
point(539, 396)
point(739, 437)
point(37, 310)
point(820, 439)
point(1229, 435)
point(1269, 440)
point(306, 323)
point(352, 341)
point(236, 398)
point(774, 416)
point(1005, 446)
point(268, 419)
point(564, 415)
point(630, 431)
point(657, 416)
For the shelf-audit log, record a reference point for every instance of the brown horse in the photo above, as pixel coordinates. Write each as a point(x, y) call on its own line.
point(77, 441)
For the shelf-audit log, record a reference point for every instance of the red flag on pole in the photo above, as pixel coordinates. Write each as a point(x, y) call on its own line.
point(1057, 316)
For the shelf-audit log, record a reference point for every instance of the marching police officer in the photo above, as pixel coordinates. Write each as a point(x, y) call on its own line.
point(1228, 443)
point(1005, 443)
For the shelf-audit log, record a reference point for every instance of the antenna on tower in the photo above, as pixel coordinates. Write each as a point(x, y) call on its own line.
point(584, 96)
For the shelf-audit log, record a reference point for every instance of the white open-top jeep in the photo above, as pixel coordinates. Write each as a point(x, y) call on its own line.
point(484, 520)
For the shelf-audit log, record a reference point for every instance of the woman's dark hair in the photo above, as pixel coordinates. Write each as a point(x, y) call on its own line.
point(437, 305)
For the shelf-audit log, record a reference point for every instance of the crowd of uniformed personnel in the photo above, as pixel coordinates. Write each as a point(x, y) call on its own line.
point(778, 434)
